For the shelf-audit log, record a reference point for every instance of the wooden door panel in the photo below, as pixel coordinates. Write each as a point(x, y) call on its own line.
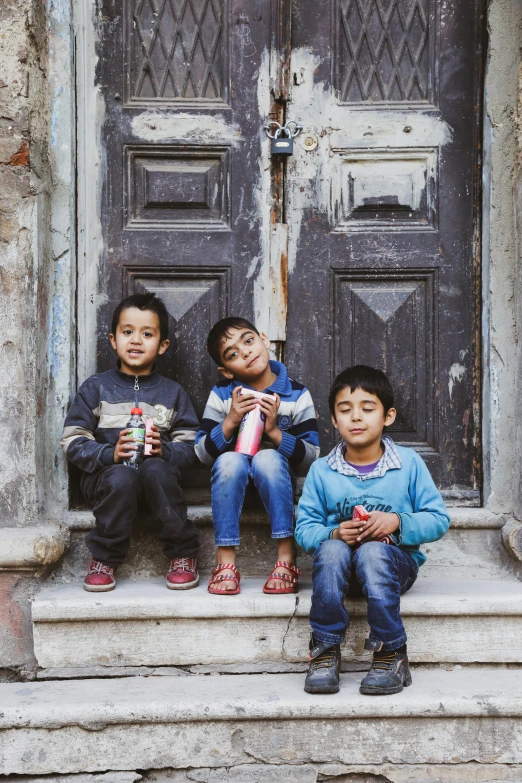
point(382, 214)
point(385, 51)
point(169, 188)
point(182, 163)
point(392, 189)
point(388, 322)
point(177, 51)
point(195, 300)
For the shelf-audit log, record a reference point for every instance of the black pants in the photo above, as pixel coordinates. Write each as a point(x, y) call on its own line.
point(115, 493)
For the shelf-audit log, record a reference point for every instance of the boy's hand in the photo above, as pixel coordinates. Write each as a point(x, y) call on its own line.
point(349, 531)
point(269, 406)
point(125, 446)
point(379, 524)
point(154, 440)
point(241, 404)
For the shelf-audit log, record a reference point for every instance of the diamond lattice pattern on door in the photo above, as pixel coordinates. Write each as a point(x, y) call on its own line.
point(177, 49)
point(383, 50)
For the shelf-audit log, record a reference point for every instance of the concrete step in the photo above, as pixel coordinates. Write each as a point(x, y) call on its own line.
point(446, 717)
point(141, 623)
point(472, 548)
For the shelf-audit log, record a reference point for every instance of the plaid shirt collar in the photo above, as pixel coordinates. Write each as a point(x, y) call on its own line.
point(390, 460)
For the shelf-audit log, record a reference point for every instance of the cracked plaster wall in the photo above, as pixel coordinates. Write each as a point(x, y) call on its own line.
point(501, 283)
point(36, 284)
point(23, 206)
point(36, 196)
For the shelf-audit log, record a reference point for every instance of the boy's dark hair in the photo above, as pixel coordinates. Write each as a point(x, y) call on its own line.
point(366, 378)
point(147, 301)
point(220, 330)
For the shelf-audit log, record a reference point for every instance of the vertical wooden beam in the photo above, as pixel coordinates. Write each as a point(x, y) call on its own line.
point(279, 86)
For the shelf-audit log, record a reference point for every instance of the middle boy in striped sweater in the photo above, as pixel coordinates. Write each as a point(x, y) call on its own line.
point(290, 444)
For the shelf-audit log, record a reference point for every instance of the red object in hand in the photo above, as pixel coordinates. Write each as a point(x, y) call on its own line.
point(360, 512)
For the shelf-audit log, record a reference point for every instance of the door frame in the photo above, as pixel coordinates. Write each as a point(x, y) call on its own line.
point(89, 160)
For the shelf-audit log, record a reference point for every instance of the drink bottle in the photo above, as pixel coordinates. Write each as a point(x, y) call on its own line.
point(137, 427)
point(251, 428)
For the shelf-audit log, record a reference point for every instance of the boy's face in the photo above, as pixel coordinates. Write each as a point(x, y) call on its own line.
point(244, 354)
point(360, 418)
point(137, 341)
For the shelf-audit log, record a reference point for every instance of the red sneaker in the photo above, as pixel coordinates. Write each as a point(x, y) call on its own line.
point(183, 573)
point(100, 578)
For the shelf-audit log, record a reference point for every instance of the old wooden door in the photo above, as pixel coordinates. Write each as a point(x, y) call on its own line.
point(382, 213)
point(378, 201)
point(183, 147)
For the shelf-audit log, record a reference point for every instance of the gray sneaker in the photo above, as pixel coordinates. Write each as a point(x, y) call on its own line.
point(325, 664)
point(389, 673)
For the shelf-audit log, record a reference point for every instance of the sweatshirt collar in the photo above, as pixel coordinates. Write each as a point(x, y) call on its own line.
point(144, 381)
point(390, 460)
point(282, 384)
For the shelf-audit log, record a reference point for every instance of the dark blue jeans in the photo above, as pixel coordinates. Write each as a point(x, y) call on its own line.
point(379, 572)
point(272, 477)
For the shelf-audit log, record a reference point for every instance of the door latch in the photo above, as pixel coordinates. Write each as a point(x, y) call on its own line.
point(283, 136)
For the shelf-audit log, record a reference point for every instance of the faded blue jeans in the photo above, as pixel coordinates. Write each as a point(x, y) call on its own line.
point(273, 479)
point(379, 572)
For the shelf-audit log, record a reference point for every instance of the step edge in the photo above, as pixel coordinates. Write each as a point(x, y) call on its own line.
point(171, 702)
point(462, 518)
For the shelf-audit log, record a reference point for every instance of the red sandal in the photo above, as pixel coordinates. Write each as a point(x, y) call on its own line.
point(281, 577)
point(218, 577)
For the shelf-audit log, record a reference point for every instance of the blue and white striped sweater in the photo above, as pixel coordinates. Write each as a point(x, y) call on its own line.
point(296, 419)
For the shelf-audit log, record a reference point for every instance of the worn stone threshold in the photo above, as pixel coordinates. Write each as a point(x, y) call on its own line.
point(135, 599)
point(180, 722)
point(100, 703)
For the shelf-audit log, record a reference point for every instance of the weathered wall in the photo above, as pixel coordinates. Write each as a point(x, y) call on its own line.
point(36, 300)
point(24, 125)
point(501, 402)
point(518, 289)
point(36, 269)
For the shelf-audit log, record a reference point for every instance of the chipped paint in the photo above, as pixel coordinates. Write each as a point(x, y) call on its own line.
point(161, 126)
point(278, 282)
point(91, 162)
point(456, 374)
point(341, 128)
point(262, 199)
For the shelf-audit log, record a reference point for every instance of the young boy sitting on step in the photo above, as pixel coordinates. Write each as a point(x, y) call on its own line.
point(290, 444)
point(378, 558)
point(97, 441)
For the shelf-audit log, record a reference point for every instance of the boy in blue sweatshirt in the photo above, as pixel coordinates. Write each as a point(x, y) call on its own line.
point(97, 441)
point(290, 444)
point(378, 558)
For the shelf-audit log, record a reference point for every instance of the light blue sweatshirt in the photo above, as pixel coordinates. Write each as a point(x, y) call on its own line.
point(329, 497)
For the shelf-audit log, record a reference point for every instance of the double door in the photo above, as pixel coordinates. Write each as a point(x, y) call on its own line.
point(361, 247)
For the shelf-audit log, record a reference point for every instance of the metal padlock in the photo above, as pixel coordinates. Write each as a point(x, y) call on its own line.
point(282, 145)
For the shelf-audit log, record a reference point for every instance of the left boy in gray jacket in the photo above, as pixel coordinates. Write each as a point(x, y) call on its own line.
point(96, 440)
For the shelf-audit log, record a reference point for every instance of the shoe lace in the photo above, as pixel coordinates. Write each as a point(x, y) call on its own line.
point(385, 662)
point(97, 567)
point(324, 660)
point(181, 563)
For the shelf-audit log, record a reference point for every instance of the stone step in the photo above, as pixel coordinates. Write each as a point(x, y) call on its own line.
point(472, 548)
point(446, 717)
point(141, 623)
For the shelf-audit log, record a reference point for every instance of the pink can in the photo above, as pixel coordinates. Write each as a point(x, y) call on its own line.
point(251, 428)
